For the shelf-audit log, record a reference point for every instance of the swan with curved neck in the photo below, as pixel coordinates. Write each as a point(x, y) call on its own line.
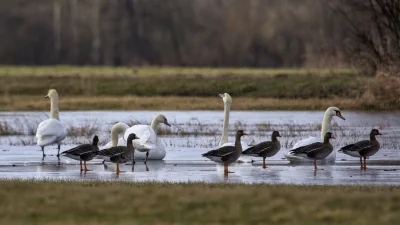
point(148, 145)
point(52, 130)
point(326, 127)
point(227, 99)
point(118, 128)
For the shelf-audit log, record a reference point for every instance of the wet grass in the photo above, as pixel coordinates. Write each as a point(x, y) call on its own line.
point(195, 133)
point(96, 202)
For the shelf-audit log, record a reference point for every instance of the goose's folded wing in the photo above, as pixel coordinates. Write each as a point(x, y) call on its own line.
point(112, 151)
point(359, 146)
point(223, 151)
point(80, 149)
point(306, 141)
point(257, 149)
point(308, 148)
point(88, 155)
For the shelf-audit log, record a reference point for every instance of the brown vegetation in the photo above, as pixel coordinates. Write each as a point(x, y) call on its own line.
point(94, 202)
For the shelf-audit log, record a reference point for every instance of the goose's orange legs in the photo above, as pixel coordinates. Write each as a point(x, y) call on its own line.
point(361, 164)
point(118, 170)
point(365, 164)
point(81, 165)
point(85, 169)
point(226, 171)
point(264, 164)
point(315, 164)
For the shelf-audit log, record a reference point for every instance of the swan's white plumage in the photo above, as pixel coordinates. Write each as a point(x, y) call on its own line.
point(148, 140)
point(147, 137)
point(50, 131)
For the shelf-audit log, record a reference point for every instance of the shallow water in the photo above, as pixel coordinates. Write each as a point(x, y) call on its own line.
point(195, 132)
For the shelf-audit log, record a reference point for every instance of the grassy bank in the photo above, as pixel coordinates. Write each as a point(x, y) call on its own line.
point(38, 103)
point(50, 202)
point(91, 88)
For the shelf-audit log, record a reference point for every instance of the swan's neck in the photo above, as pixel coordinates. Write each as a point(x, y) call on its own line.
point(154, 125)
point(326, 125)
point(115, 130)
point(224, 138)
point(54, 109)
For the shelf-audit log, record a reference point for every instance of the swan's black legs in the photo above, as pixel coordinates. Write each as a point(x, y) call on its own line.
point(147, 155)
point(44, 155)
point(58, 154)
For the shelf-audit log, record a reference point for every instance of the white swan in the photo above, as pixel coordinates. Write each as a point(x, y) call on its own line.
point(326, 126)
point(52, 130)
point(149, 145)
point(227, 108)
point(118, 128)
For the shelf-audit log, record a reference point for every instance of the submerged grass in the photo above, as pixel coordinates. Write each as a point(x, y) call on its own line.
point(96, 202)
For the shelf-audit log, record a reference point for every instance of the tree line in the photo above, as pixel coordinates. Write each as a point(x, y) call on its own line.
point(234, 33)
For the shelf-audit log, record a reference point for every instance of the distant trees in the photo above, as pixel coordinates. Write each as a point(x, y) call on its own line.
point(257, 33)
point(375, 40)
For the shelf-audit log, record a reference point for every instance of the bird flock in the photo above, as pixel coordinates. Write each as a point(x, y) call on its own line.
point(141, 142)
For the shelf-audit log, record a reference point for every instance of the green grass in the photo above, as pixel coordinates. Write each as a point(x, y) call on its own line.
point(93, 202)
point(106, 70)
point(279, 86)
point(283, 89)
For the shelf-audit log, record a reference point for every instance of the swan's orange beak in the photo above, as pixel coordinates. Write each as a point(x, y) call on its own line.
point(221, 95)
point(338, 114)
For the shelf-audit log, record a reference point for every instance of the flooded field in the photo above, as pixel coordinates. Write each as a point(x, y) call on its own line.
point(195, 132)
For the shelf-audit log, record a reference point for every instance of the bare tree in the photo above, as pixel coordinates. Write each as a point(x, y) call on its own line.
point(375, 25)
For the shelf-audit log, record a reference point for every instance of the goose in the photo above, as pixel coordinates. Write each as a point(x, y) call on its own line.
point(52, 130)
point(83, 152)
point(121, 154)
point(227, 99)
point(364, 148)
point(118, 128)
point(266, 148)
point(227, 154)
point(326, 126)
point(149, 144)
point(315, 151)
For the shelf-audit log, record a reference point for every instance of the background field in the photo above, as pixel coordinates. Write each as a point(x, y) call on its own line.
point(52, 202)
point(174, 88)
